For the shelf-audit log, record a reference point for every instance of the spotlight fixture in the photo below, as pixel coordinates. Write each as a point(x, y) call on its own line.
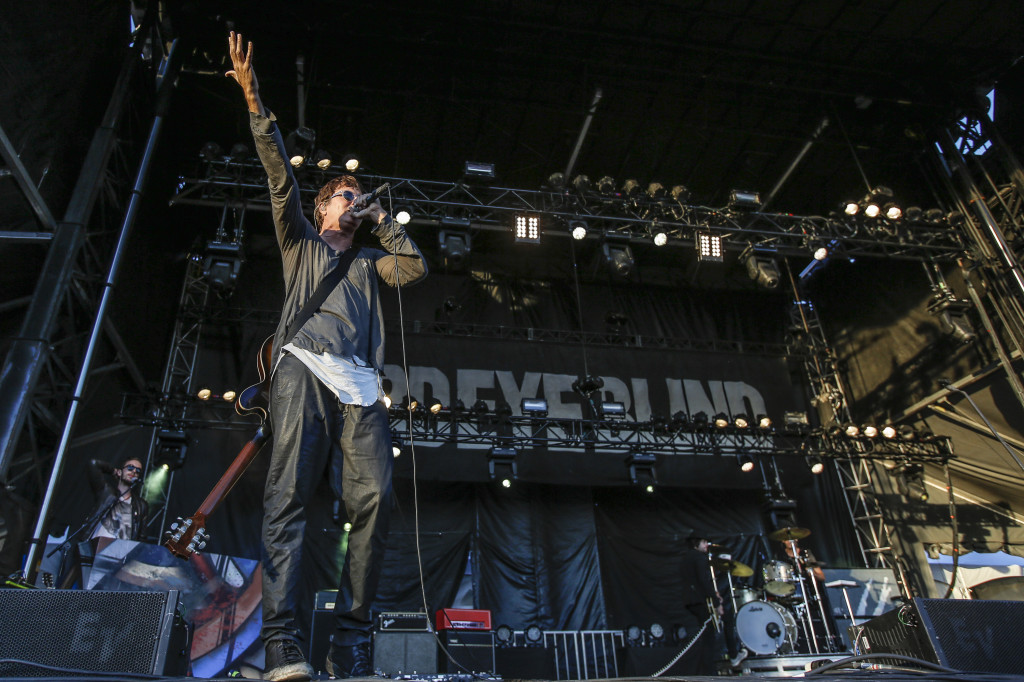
point(556, 180)
point(618, 256)
point(721, 420)
point(211, 151)
point(889, 431)
point(480, 408)
point(171, 446)
point(396, 446)
point(229, 396)
point(764, 422)
point(761, 266)
point(435, 406)
point(873, 201)
point(934, 215)
point(815, 464)
point(746, 462)
point(534, 635)
point(910, 481)
point(870, 431)
point(851, 430)
point(578, 229)
point(584, 386)
point(581, 183)
point(204, 393)
point(913, 213)
point(387, 401)
point(631, 188)
point(322, 159)
point(527, 228)
point(741, 421)
point(699, 419)
point(613, 410)
point(403, 215)
point(634, 635)
point(240, 152)
point(744, 200)
point(709, 247)
point(680, 193)
point(851, 208)
point(534, 407)
point(892, 211)
point(299, 145)
point(907, 432)
point(501, 465)
point(642, 469)
point(476, 170)
point(606, 185)
point(221, 265)
point(658, 234)
point(656, 191)
point(819, 251)
point(350, 162)
point(657, 632)
point(454, 247)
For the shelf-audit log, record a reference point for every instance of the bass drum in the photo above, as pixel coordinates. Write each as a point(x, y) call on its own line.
point(766, 628)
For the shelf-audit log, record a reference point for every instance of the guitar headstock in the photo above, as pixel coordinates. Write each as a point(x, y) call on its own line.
point(186, 536)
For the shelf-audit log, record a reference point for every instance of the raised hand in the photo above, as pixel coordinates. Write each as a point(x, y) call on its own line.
point(243, 73)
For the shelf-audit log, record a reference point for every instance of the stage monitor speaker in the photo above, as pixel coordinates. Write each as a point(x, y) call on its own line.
point(967, 635)
point(62, 633)
point(404, 653)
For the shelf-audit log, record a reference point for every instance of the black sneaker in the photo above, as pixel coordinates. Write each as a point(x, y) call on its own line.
point(349, 661)
point(284, 662)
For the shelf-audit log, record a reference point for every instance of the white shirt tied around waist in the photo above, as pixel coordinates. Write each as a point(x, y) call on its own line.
point(351, 381)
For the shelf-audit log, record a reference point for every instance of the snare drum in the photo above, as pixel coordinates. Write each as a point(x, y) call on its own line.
point(745, 595)
point(779, 579)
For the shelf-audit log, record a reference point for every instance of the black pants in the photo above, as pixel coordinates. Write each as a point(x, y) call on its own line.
point(314, 433)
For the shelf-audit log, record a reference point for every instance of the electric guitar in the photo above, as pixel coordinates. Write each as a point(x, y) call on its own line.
point(716, 620)
point(187, 536)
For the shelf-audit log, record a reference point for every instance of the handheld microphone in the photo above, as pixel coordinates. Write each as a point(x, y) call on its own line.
point(374, 195)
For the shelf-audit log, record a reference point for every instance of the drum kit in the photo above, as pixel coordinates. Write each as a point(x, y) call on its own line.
point(771, 618)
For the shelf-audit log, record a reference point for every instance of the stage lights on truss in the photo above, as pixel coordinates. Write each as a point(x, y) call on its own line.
point(403, 214)
point(815, 464)
point(526, 228)
point(612, 409)
point(221, 265)
point(618, 256)
point(322, 159)
point(171, 447)
point(658, 234)
point(533, 407)
point(299, 145)
point(744, 200)
point(761, 266)
point(205, 394)
point(501, 466)
point(642, 470)
point(578, 229)
point(745, 462)
point(476, 171)
point(351, 162)
point(709, 247)
point(454, 243)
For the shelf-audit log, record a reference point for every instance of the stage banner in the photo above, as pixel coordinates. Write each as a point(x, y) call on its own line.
point(650, 381)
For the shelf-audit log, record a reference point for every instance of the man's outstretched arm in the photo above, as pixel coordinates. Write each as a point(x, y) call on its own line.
point(242, 72)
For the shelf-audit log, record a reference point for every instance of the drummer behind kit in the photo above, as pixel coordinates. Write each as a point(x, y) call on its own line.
point(767, 618)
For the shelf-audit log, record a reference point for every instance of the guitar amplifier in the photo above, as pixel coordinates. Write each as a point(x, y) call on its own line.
point(463, 619)
point(403, 621)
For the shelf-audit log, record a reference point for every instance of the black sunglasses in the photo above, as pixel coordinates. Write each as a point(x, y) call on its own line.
point(132, 467)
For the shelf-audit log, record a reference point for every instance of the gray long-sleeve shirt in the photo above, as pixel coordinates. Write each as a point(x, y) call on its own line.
point(349, 323)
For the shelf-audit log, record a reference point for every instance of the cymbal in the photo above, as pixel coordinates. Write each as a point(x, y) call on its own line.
point(787, 534)
point(736, 568)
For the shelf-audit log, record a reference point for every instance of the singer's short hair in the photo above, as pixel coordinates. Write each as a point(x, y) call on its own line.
point(332, 186)
point(125, 460)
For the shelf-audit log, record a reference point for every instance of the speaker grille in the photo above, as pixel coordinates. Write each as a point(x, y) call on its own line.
point(79, 630)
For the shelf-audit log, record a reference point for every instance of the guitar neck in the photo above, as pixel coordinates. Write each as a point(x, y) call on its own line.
point(234, 472)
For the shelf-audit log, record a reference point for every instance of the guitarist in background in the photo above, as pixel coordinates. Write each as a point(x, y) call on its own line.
point(325, 395)
point(701, 600)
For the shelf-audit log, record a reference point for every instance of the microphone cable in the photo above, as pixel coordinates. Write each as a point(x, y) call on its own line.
point(412, 453)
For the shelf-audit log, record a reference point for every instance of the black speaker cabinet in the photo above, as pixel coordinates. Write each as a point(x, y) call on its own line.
point(474, 651)
point(405, 653)
point(82, 632)
point(968, 635)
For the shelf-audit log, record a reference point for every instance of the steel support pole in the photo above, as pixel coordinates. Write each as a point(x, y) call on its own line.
point(166, 86)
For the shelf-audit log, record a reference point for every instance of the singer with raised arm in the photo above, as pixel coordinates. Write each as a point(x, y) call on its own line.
point(326, 408)
point(120, 512)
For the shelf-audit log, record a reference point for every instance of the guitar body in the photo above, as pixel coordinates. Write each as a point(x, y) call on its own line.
point(187, 537)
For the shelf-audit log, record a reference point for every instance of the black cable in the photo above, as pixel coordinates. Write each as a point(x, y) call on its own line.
point(412, 453)
point(863, 657)
point(94, 674)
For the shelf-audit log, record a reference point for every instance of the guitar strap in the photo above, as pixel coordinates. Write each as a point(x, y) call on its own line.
point(320, 295)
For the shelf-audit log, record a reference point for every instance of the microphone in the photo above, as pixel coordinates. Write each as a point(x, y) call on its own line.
point(374, 195)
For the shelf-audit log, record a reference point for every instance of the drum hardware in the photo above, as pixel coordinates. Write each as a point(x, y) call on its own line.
point(788, 534)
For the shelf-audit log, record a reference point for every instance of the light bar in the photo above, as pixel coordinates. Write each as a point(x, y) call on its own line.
point(527, 228)
point(709, 247)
